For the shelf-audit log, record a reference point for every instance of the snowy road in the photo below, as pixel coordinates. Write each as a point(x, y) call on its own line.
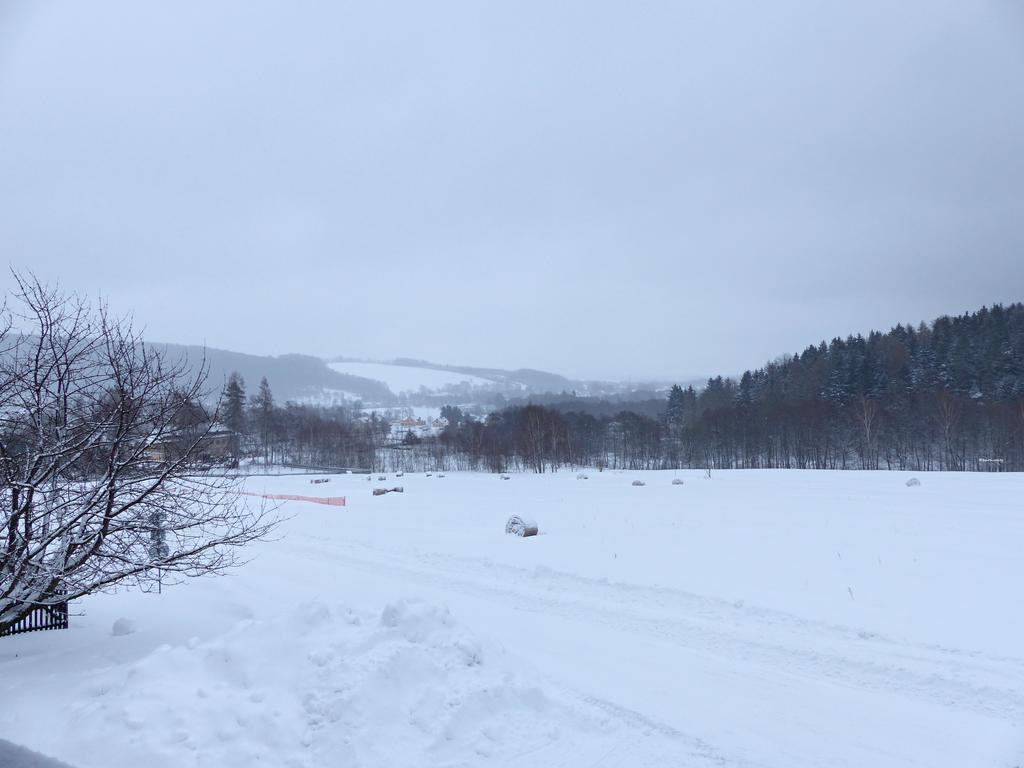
point(644, 645)
point(757, 619)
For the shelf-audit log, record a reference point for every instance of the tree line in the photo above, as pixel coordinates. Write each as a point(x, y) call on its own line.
point(942, 396)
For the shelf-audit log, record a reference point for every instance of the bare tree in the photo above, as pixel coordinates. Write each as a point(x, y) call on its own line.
point(948, 410)
point(867, 415)
point(84, 403)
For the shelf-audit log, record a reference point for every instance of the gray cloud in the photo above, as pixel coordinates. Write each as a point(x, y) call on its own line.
point(599, 189)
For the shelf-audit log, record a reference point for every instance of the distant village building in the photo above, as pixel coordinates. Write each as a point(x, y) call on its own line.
point(420, 428)
point(217, 444)
point(410, 423)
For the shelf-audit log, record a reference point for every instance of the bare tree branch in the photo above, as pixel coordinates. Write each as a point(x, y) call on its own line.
point(82, 505)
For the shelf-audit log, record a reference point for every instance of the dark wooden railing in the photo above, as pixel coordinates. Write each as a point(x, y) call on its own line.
point(43, 617)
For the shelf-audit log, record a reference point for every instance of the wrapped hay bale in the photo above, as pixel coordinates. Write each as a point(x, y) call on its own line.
point(677, 481)
point(505, 477)
point(123, 627)
point(517, 526)
point(639, 483)
point(912, 482)
point(582, 476)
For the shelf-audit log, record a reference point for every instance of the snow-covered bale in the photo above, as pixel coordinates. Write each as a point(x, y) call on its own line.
point(519, 526)
point(582, 476)
point(912, 482)
point(505, 477)
point(639, 483)
point(677, 481)
point(382, 491)
point(123, 627)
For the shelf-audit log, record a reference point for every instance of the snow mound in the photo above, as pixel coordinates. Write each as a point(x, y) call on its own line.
point(325, 685)
point(13, 756)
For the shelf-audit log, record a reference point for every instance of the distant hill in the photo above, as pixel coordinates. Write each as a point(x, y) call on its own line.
point(945, 395)
point(477, 384)
point(291, 377)
point(528, 378)
point(404, 381)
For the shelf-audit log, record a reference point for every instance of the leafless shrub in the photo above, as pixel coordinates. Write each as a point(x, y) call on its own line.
point(85, 506)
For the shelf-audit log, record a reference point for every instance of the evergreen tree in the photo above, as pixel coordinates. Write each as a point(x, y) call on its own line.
point(261, 409)
point(453, 414)
point(675, 411)
point(234, 403)
point(675, 415)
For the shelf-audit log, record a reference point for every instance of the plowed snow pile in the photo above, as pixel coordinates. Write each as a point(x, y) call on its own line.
point(326, 685)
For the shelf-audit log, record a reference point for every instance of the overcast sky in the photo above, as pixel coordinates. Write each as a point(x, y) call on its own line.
point(621, 190)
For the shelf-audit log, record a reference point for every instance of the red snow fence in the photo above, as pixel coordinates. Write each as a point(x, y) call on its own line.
point(333, 501)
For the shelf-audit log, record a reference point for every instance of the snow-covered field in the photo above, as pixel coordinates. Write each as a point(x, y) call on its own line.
point(752, 619)
point(408, 378)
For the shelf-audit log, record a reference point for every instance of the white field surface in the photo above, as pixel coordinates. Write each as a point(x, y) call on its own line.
point(754, 619)
point(408, 378)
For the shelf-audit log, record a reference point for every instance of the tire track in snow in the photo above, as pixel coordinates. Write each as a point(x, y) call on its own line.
point(740, 636)
point(718, 610)
point(699, 748)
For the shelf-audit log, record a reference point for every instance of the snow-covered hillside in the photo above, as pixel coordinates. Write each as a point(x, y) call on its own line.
point(765, 618)
point(408, 379)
